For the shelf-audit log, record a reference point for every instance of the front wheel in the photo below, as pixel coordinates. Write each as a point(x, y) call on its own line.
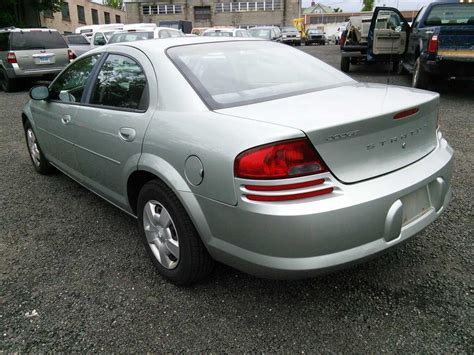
point(170, 237)
point(420, 78)
point(40, 163)
point(345, 64)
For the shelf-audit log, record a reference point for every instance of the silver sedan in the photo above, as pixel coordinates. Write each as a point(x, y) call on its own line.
point(247, 152)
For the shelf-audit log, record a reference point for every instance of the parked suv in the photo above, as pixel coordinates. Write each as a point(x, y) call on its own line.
point(26, 53)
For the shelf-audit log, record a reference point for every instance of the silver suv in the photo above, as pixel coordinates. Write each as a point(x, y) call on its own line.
point(32, 52)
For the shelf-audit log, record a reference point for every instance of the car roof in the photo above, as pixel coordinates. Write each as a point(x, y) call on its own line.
point(263, 27)
point(221, 29)
point(14, 29)
point(144, 29)
point(155, 45)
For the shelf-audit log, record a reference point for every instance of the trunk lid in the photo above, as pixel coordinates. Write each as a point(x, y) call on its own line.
point(353, 127)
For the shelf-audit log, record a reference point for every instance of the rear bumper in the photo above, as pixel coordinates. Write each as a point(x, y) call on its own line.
point(291, 40)
point(314, 40)
point(308, 237)
point(17, 72)
point(448, 68)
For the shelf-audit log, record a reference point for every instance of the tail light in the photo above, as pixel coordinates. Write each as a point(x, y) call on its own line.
point(11, 58)
point(279, 160)
point(71, 55)
point(433, 44)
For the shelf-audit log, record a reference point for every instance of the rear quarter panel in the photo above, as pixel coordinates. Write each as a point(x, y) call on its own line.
point(183, 126)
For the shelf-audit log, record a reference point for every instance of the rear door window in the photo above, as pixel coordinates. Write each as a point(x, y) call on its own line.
point(32, 40)
point(121, 83)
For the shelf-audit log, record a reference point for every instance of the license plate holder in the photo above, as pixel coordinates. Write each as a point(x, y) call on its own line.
point(415, 205)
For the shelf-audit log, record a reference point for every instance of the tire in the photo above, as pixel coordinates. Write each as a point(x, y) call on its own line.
point(7, 84)
point(420, 78)
point(345, 64)
point(172, 243)
point(39, 161)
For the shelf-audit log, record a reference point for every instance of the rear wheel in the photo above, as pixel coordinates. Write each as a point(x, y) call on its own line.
point(7, 84)
point(420, 78)
point(345, 64)
point(40, 163)
point(170, 237)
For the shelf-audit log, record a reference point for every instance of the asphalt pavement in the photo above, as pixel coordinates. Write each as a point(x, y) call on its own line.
point(74, 275)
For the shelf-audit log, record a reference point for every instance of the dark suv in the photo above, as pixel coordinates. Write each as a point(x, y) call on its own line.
point(27, 53)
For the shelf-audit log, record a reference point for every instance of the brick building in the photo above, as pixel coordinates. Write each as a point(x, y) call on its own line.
point(75, 13)
point(206, 13)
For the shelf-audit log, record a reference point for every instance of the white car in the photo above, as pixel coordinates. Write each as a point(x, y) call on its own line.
point(131, 36)
point(226, 32)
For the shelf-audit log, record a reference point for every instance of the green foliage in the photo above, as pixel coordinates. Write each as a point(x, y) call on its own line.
point(7, 13)
point(117, 4)
point(368, 5)
point(9, 10)
point(337, 9)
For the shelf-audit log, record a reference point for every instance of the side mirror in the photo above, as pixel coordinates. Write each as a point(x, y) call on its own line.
point(39, 92)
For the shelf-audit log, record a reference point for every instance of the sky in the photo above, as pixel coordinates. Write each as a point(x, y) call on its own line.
point(356, 5)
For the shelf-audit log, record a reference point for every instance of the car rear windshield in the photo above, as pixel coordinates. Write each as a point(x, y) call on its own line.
point(217, 34)
point(130, 37)
point(289, 29)
point(234, 73)
point(260, 33)
point(77, 40)
point(451, 14)
point(30, 40)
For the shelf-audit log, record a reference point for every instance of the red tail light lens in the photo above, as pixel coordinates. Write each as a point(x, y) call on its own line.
point(433, 44)
point(71, 55)
point(279, 160)
point(11, 58)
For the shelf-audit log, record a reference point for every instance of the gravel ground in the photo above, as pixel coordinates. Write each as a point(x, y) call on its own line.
point(75, 277)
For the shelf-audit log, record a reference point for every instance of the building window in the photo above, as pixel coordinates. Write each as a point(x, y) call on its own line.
point(81, 15)
point(106, 17)
point(268, 5)
point(117, 19)
point(65, 11)
point(162, 9)
point(202, 13)
point(48, 13)
point(95, 17)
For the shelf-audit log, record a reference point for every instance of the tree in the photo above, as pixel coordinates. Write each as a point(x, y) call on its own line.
point(368, 5)
point(117, 4)
point(18, 12)
point(337, 9)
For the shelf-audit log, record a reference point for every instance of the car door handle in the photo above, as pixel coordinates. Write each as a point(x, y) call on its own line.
point(127, 134)
point(65, 119)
